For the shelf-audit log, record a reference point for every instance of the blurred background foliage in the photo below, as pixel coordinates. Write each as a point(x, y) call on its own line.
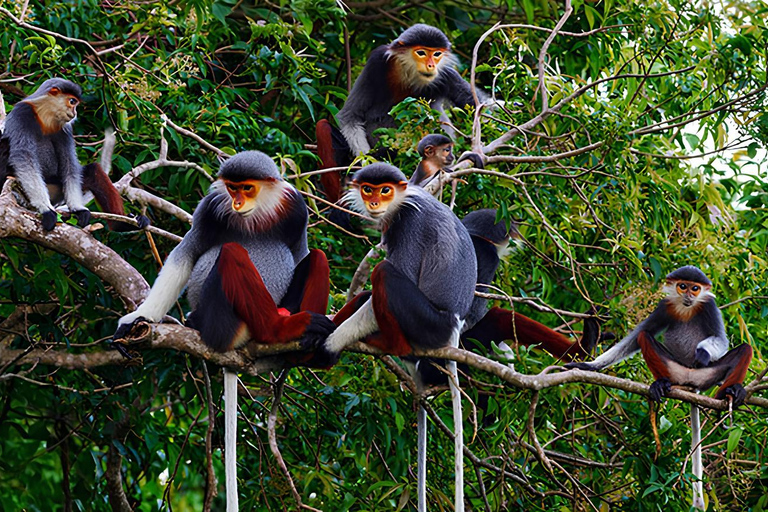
point(600, 227)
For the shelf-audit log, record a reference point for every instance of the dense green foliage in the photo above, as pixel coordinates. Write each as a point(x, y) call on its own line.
point(602, 226)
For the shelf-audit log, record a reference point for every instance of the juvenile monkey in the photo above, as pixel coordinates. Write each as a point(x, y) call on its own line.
point(37, 147)
point(436, 152)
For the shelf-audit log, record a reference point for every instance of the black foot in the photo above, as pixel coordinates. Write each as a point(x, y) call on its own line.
point(737, 392)
point(659, 389)
point(313, 344)
point(49, 220)
point(477, 160)
point(702, 358)
point(83, 217)
point(591, 334)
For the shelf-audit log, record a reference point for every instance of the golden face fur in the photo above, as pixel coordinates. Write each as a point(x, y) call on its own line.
point(376, 199)
point(685, 297)
point(54, 110)
point(419, 65)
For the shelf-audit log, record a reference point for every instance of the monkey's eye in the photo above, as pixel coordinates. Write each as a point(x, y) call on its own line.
point(232, 188)
point(247, 188)
point(682, 286)
point(73, 101)
point(386, 190)
point(367, 190)
point(437, 54)
point(695, 288)
point(447, 150)
point(421, 53)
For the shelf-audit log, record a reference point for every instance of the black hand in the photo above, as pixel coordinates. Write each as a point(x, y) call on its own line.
point(702, 358)
point(659, 389)
point(143, 221)
point(124, 329)
point(49, 220)
point(83, 217)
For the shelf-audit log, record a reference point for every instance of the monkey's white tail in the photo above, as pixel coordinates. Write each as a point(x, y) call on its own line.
point(421, 468)
point(698, 470)
point(458, 427)
point(230, 438)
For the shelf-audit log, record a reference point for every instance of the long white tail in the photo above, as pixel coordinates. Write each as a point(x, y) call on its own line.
point(421, 467)
point(698, 470)
point(458, 427)
point(230, 438)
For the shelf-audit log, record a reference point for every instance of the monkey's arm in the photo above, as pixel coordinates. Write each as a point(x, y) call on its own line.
point(71, 173)
point(370, 97)
point(715, 345)
point(362, 323)
point(458, 91)
point(170, 281)
point(24, 141)
point(627, 347)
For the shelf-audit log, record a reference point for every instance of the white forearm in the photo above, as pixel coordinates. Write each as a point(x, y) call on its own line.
point(167, 288)
point(361, 324)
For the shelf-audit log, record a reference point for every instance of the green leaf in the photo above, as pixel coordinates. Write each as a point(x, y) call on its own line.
point(733, 440)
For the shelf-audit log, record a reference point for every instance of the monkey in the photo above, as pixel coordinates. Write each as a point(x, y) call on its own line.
point(248, 271)
point(694, 352)
point(419, 63)
point(37, 147)
point(436, 153)
point(422, 291)
point(491, 241)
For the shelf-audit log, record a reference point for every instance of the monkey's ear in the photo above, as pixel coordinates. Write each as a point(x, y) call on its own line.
point(53, 91)
point(429, 151)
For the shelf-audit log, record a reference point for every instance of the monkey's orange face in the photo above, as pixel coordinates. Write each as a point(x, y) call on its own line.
point(427, 60)
point(689, 291)
point(243, 194)
point(378, 198)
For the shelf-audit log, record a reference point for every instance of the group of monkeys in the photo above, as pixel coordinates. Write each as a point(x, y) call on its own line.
point(251, 277)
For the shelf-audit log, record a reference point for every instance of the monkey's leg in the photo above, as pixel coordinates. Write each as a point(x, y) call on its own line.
point(405, 316)
point(235, 295)
point(333, 151)
point(310, 285)
point(664, 369)
point(735, 364)
point(501, 325)
point(108, 198)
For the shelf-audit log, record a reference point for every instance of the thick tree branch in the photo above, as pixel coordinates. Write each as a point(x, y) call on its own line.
point(75, 243)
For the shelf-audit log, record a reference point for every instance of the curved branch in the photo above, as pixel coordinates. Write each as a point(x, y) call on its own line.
point(76, 243)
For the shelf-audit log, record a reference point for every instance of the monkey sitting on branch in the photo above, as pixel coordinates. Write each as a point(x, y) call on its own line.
point(38, 149)
point(694, 351)
point(418, 64)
